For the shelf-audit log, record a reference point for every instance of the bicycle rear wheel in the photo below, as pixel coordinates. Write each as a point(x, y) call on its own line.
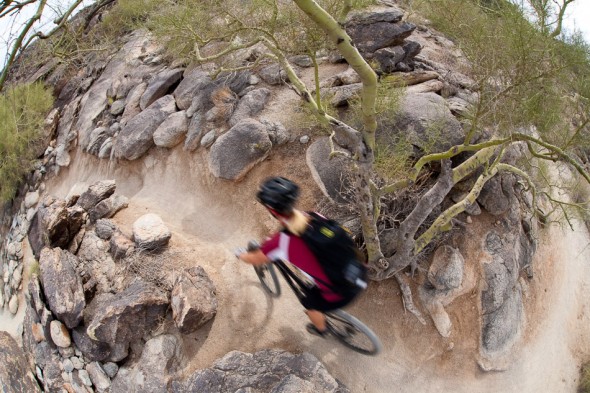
point(269, 280)
point(352, 333)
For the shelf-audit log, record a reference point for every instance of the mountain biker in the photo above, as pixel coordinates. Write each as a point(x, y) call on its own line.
point(279, 195)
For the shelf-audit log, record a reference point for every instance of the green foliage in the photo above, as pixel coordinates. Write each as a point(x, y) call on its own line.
point(393, 159)
point(22, 113)
point(523, 76)
point(584, 386)
point(127, 15)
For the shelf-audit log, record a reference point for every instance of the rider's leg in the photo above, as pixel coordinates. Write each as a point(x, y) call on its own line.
point(317, 318)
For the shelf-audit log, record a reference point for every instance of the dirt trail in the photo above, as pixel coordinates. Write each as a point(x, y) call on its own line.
point(210, 217)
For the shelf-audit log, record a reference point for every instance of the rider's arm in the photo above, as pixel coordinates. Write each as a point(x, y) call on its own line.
point(255, 258)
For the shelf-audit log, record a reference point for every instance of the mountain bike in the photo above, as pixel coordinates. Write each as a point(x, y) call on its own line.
point(344, 327)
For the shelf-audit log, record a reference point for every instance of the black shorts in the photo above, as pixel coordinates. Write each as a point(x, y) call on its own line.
point(314, 300)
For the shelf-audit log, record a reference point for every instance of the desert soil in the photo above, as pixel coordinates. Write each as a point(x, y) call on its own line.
point(210, 217)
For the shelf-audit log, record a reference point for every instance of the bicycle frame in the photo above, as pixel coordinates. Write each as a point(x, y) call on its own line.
point(295, 283)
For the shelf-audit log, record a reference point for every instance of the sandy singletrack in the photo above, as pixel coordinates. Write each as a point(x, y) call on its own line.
point(210, 217)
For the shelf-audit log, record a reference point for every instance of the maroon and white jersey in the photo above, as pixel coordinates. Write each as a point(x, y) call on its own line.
point(291, 248)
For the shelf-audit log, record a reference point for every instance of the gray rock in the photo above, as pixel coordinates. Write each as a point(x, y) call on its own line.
point(264, 371)
point(96, 265)
point(106, 148)
point(388, 58)
point(13, 304)
point(341, 95)
point(160, 86)
point(250, 105)
point(446, 270)
point(496, 194)
point(126, 317)
point(67, 365)
point(93, 350)
point(193, 82)
point(301, 61)
point(62, 285)
point(77, 362)
point(84, 377)
point(171, 132)
point(118, 107)
point(60, 334)
point(234, 153)
point(96, 193)
point(425, 121)
point(137, 136)
point(152, 372)
point(193, 135)
point(31, 199)
point(132, 108)
point(501, 327)
point(110, 369)
point(150, 232)
point(107, 208)
point(277, 133)
point(99, 378)
point(97, 137)
point(331, 175)
point(208, 139)
point(273, 74)
point(105, 228)
point(95, 101)
point(120, 246)
point(193, 300)
point(304, 139)
point(373, 30)
point(15, 375)
point(293, 384)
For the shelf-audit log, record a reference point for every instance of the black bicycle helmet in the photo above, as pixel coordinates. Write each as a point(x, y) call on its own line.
point(278, 194)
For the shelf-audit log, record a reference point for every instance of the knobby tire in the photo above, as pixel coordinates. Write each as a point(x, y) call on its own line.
point(352, 333)
point(269, 280)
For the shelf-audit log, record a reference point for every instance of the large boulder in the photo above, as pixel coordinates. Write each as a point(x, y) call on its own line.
point(152, 371)
point(446, 270)
point(96, 193)
point(15, 375)
point(126, 317)
point(330, 174)
point(159, 86)
point(62, 285)
point(150, 232)
point(234, 153)
point(54, 225)
point(425, 121)
point(250, 105)
point(137, 136)
point(107, 208)
point(171, 132)
point(192, 83)
point(263, 371)
point(496, 194)
point(508, 249)
point(93, 350)
point(96, 265)
point(193, 300)
point(373, 30)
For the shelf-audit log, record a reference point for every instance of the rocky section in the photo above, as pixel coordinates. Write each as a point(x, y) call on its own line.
point(15, 375)
point(266, 371)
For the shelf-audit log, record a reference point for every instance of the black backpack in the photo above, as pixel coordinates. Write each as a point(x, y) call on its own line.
point(336, 252)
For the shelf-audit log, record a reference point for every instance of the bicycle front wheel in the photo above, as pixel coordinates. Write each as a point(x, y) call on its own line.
point(352, 333)
point(269, 280)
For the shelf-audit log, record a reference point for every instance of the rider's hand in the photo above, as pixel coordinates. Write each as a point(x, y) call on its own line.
point(239, 251)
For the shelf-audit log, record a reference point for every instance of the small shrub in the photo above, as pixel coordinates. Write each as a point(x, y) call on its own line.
point(22, 113)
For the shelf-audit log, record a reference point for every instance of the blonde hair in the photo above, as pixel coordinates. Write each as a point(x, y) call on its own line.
point(296, 223)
